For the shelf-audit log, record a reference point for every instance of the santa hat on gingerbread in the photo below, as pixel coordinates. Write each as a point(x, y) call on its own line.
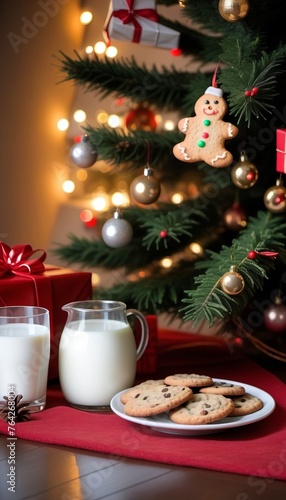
point(214, 91)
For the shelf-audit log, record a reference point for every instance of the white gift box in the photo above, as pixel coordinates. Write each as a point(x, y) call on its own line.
point(136, 21)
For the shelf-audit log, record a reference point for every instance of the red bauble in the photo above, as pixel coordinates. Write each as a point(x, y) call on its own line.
point(275, 318)
point(235, 217)
point(141, 118)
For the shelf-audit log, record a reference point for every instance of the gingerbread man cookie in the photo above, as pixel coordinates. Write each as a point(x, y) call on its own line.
point(206, 132)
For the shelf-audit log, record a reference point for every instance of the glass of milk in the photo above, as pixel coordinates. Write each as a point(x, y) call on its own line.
point(98, 352)
point(24, 355)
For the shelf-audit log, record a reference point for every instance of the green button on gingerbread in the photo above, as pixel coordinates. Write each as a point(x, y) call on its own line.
point(201, 144)
point(207, 123)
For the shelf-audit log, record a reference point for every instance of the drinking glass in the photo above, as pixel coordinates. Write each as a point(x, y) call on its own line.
point(24, 355)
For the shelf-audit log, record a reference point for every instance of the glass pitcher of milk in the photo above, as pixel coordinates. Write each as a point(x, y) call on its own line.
point(98, 352)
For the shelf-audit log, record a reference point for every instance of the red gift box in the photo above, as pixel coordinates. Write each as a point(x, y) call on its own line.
point(281, 150)
point(25, 281)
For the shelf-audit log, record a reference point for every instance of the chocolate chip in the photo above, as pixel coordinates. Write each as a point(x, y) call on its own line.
point(165, 389)
point(203, 412)
point(167, 395)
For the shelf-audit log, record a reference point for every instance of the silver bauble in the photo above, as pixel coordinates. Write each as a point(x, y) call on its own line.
point(117, 232)
point(83, 154)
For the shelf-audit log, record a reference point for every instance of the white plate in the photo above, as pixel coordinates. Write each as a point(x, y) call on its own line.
point(162, 422)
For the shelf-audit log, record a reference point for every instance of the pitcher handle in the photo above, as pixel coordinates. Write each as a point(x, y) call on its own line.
point(144, 331)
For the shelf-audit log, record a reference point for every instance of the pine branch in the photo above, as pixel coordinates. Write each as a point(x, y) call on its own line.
point(208, 301)
point(176, 224)
point(117, 147)
point(105, 77)
point(167, 89)
point(94, 252)
point(161, 292)
point(244, 74)
point(147, 225)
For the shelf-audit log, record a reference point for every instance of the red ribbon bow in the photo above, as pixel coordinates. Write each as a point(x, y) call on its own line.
point(128, 16)
point(17, 260)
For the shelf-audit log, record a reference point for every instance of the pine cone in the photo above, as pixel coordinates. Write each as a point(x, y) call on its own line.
point(22, 413)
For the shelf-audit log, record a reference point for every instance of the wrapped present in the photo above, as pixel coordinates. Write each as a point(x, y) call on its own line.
point(281, 150)
point(25, 280)
point(137, 21)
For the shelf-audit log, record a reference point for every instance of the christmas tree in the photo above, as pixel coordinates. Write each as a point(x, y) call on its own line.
point(226, 238)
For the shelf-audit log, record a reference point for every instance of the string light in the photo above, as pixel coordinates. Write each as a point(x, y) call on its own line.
point(63, 124)
point(100, 48)
point(68, 186)
point(114, 121)
point(166, 262)
point(119, 199)
point(95, 279)
point(86, 17)
point(100, 202)
point(79, 116)
point(89, 49)
point(196, 248)
point(111, 51)
point(102, 117)
point(169, 125)
point(177, 198)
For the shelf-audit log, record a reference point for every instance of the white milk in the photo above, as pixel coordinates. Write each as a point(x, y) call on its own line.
point(96, 363)
point(24, 360)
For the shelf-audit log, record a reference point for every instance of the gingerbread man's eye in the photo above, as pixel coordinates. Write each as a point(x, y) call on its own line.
point(207, 102)
point(216, 102)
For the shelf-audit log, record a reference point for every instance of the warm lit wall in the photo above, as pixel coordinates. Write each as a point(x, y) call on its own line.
point(31, 104)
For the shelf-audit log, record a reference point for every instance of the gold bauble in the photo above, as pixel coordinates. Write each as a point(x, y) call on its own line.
point(244, 174)
point(232, 282)
point(275, 198)
point(233, 10)
point(146, 188)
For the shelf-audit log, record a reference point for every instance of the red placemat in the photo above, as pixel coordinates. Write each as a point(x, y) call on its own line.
point(258, 449)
